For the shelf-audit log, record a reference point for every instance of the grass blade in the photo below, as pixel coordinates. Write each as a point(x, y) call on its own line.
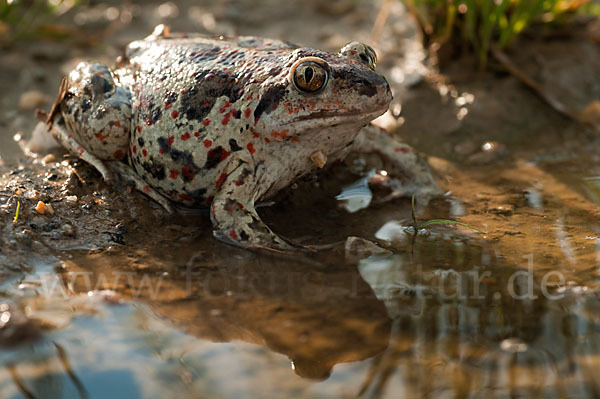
point(447, 221)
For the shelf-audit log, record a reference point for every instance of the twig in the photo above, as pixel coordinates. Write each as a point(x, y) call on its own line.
point(557, 105)
point(382, 16)
point(12, 369)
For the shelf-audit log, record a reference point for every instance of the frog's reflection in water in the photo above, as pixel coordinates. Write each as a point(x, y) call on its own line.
point(316, 315)
point(407, 326)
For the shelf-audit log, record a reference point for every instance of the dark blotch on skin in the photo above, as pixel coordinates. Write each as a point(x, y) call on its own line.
point(149, 109)
point(367, 90)
point(195, 105)
point(197, 102)
point(185, 158)
point(154, 169)
point(275, 71)
point(366, 84)
point(270, 99)
point(141, 141)
point(245, 173)
point(234, 145)
point(171, 97)
point(101, 85)
point(155, 113)
point(85, 105)
point(162, 143)
point(214, 157)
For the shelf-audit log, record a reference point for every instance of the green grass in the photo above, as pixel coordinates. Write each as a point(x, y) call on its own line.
point(486, 23)
point(26, 19)
point(418, 226)
point(16, 219)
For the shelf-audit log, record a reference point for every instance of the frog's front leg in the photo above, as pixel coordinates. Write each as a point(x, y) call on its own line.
point(60, 133)
point(234, 218)
point(409, 172)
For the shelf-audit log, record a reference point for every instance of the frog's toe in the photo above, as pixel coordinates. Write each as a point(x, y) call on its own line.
point(260, 241)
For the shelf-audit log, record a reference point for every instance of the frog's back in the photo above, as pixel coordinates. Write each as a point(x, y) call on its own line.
point(189, 97)
point(180, 48)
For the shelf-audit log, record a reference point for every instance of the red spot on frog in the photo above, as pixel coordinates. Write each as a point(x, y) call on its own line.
point(207, 143)
point(174, 113)
point(206, 122)
point(251, 148)
point(119, 154)
point(221, 180)
point(225, 120)
point(233, 234)
point(170, 141)
point(196, 134)
point(148, 121)
point(187, 172)
point(135, 149)
point(185, 197)
point(403, 150)
point(100, 136)
point(147, 189)
point(282, 134)
point(185, 136)
point(247, 112)
point(139, 128)
point(174, 174)
point(209, 200)
point(118, 123)
point(144, 152)
point(239, 182)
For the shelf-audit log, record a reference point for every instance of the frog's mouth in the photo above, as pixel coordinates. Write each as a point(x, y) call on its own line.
point(332, 118)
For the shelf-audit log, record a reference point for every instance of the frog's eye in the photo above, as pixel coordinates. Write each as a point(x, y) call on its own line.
point(360, 52)
point(310, 76)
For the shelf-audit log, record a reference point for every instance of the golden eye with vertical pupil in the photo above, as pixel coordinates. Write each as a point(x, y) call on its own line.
point(309, 76)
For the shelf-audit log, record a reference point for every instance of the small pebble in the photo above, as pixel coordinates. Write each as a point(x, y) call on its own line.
point(68, 230)
point(319, 158)
point(44, 209)
point(71, 199)
point(48, 158)
point(591, 113)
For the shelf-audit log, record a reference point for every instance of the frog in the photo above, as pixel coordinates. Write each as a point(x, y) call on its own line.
point(223, 123)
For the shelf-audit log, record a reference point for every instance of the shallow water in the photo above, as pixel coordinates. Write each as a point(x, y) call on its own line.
point(456, 314)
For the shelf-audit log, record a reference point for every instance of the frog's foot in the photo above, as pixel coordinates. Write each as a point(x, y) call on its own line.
point(234, 217)
point(60, 133)
point(128, 175)
point(409, 173)
point(237, 223)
